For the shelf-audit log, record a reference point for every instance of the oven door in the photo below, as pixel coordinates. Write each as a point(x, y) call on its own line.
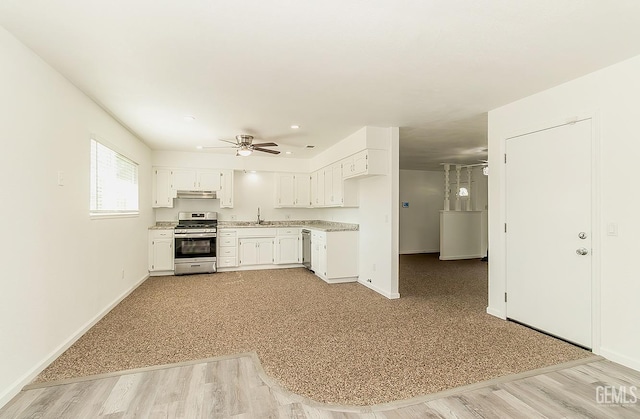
point(195, 246)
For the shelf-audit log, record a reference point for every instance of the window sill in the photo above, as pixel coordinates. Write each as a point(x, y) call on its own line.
point(107, 215)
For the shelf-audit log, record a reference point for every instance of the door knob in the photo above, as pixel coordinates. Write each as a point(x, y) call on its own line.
point(582, 251)
point(582, 235)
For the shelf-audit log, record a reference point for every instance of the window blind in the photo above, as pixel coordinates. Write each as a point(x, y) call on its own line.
point(114, 182)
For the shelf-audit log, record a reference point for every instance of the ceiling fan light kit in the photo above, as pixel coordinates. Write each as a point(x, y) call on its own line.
point(245, 147)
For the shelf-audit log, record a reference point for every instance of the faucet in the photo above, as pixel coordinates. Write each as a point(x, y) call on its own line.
point(259, 220)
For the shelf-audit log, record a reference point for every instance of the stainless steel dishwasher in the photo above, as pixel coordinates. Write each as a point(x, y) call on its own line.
point(306, 248)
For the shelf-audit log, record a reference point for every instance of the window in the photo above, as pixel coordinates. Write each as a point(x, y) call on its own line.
point(114, 182)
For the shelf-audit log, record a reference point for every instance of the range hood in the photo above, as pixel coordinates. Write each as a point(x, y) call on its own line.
point(196, 194)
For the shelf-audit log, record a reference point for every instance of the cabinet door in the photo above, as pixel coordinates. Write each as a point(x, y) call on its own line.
point(285, 190)
point(162, 255)
point(226, 192)
point(303, 190)
point(287, 249)
point(184, 179)
point(347, 167)
point(265, 251)
point(318, 253)
point(360, 163)
point(328, 185)
point(336, 187)
point(247, 252)
point(209, 180)
point(322, 257)
point(162, 196)
point(317, 188)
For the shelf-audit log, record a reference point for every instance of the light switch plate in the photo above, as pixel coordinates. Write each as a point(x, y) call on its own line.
point(60, 178)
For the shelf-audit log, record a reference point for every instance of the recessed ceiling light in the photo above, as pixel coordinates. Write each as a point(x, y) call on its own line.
point(287, 152)
point(295, 126)
point(189, 118)
point(199, 147)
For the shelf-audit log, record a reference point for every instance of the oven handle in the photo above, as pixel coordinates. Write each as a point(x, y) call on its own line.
point(195, 235)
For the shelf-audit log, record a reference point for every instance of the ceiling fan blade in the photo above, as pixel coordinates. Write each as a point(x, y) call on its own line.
point(265, 145)
point(230, 142)
point(266, 150)
point(224, 146)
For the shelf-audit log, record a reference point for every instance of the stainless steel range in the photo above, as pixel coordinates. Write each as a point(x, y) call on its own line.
point(195, 242)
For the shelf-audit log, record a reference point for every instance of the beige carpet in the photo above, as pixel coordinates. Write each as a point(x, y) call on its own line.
point(338, 343)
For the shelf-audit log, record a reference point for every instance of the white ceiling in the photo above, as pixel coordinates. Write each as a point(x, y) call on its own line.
point(432, 67)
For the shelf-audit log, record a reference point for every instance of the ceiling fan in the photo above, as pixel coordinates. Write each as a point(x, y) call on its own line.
point(244, 145)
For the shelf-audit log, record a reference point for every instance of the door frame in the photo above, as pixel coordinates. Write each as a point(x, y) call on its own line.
point(596, 223)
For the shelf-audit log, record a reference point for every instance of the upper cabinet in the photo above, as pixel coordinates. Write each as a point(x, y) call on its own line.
point(293, 190)
point(226, 191)
point(196, 180)
point(368, 162)
point(162, 195)
point(168, 181)
point(317, 188)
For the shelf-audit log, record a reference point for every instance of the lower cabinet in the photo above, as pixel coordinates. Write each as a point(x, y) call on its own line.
point(288, 246)
point(255, 251)
point(227, 255)
point(334, 255)
point(161, 252)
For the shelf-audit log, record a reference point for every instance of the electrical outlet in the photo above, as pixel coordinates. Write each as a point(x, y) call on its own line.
point(234, 217)
point(287, 216)
point(369, 280)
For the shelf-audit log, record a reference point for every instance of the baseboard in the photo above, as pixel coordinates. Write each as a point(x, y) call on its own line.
point(620, 359)
point(391, 296)
point(15, 388)
point(417, 252)
point(259, 267)
point(461, 257)
point(496, 313)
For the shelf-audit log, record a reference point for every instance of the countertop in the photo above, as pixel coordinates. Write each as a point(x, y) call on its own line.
point(164, 225)
point(310, 224)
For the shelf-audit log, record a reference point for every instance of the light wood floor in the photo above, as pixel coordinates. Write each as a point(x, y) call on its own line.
point(237, 387)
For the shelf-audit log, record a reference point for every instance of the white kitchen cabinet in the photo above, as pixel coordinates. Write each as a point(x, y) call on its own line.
point(162, 195)
point(287, 246)
point(208, 180)
point(292, 190)
point(227, 255)
point(334, 255)
point(196, 179)
point(367, 162)
point(330, 190)
point(161, 252)
point(226, 191)
point(318, 253)
point(255, 251)
point(183, 179)
point(317, 188)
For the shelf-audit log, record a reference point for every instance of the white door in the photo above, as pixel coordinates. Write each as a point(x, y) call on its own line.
point(548, 213)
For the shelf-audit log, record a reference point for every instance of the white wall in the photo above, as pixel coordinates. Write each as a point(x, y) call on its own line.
point(61, 270)
point(420, 222)
point(377, 213)
point(612, 96)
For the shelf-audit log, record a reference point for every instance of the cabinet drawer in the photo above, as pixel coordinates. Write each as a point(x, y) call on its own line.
point(159, 234)
point(227, 241)
point(226, 262)
point(227, 233)
point(288, 231)
point(228, 252)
